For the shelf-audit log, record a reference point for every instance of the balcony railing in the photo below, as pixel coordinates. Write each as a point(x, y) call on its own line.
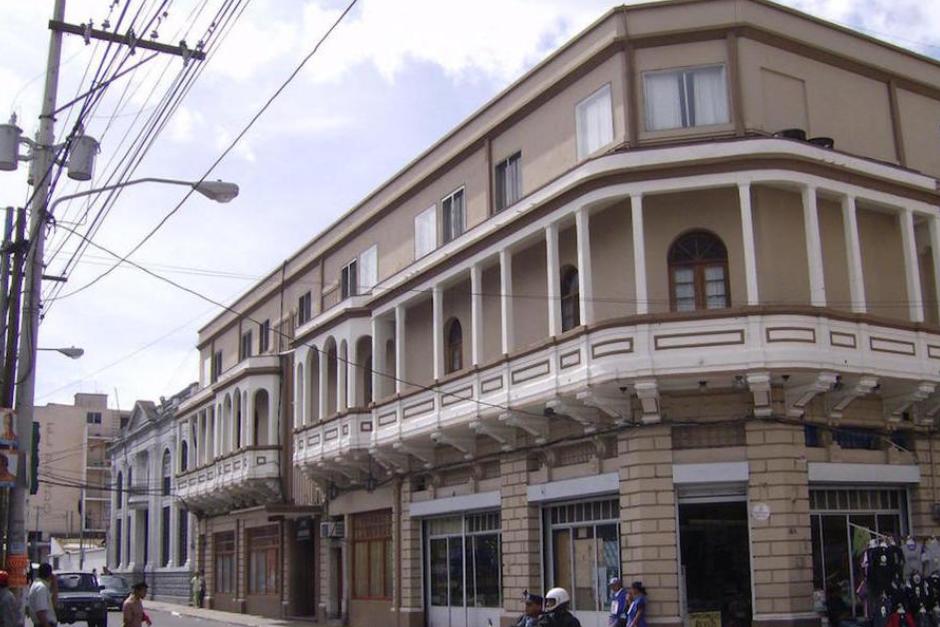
point(248, 476)
point(318, 443)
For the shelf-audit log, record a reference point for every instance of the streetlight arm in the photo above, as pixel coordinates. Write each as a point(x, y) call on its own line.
point(230, 190)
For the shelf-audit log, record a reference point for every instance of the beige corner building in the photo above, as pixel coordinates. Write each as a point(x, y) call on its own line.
point(665, 308)
point(74, 492)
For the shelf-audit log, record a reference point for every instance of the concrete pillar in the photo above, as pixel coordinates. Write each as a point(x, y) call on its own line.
point(410, 587)
point(505, 299)
point(780, 546)
point(324, 394)
point(379, 338)
point(911, 266)
point(853, 252)
point(585, 274)
point(342, 367)
point(476, 314)
point(639, 254)
point(747, 238)
point(814, 258)
point(520, 521)
point(400, 374)
point(437, 329)
point(553, 275)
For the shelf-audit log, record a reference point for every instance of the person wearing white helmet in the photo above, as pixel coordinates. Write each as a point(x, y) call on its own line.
point(557, 610)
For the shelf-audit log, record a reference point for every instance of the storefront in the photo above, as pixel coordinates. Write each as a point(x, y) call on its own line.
point(372, 567)
point(582, 553)
point(263, 548)
point(843, 521)
point(463, 570)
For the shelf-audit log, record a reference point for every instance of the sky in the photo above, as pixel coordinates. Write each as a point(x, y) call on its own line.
point(392, 79)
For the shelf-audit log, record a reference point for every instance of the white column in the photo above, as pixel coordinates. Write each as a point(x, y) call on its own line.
point(274, 401)
point(218, 431)
point(476, 313)
point(814, 258)
point(248, 433)
point(342, 362)
point(437, 328)
point(353, 372)
point(324, 392)
point(911, 266)
point(747, 237)
point(853, 253)
point(378, 359)
point(505, 299)
point(585, 275)
point(400, 374)
point(553, 275)
point(934, 224)
point(174, 535)
point(639, 254)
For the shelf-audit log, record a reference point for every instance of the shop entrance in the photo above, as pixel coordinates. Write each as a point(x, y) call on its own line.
point(716, 562)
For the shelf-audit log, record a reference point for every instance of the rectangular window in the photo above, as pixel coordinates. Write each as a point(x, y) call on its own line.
point(349, 280)
point(686, 98)
point(303, 309)
point(508, 181)
point(224, 559)
point(264, 337)
point(368, 270)
point(165, 536)
point(244, 350)
point(425, 232)
point(263, 546)
point(595, 122)
point(118, 524)
point(93, 418)
point(453, 217)
point(372, 555)
point(183, 538)
point(216, 366)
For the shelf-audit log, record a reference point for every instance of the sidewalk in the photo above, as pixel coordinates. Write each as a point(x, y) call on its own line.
point(229, 618)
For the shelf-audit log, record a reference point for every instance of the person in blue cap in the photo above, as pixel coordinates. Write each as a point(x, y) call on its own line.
point(533, 609)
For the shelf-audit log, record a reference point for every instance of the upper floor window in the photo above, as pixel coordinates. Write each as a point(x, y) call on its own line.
point(452, 215)
point(184, 456)
point(93, 418)
point(120, 489)
point(425, 232)
point(368, 269)
point(595, 122)
point(453, 351)
point(216, 366)
point(303, 309)
point(244, 349)
point(166, 474)
point(508, 181)
point(264, 336)
point(698, 272)
point(686, 98)
point(349, 279)
point(570, 298)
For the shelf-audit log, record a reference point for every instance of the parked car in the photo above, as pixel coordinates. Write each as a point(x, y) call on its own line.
point(114, 589)
point(80, 600)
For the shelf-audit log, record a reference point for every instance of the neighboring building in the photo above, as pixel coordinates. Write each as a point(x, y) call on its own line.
point(611, 324)
point(78, 554)
point(73, 442)
point(151, 535)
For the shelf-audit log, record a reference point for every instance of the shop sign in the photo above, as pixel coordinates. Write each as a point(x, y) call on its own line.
point(304, 528)
point(705, 619)
point(8, 461)
point(17, 565)
point(7, 428)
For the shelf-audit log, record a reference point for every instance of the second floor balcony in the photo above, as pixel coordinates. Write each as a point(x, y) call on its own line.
point(245, 477)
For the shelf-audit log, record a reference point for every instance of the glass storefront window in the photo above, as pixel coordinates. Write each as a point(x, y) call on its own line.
point(464, 561)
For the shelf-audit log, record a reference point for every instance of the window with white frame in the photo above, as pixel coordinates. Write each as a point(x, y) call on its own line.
point(453, 217)
point(595, 122)
point(304, 309)
point(425, 232)
point(508, 181)
point(686, 98)
point(244, 351)
point(368, 269)
point(348, 279)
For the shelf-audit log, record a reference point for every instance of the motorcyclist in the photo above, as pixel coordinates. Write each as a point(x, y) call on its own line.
point(533, 610)
point(557, 610)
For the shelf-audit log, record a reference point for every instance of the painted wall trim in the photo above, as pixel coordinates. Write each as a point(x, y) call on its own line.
point(607, 483)
point(827, 472)
point(455, 504)
point(717, 472)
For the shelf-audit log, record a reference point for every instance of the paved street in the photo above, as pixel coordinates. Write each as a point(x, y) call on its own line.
point(165, 619)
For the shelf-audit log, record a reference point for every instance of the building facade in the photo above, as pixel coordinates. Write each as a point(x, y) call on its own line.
point(72, 500)
point(666, 308)
point(151, 536)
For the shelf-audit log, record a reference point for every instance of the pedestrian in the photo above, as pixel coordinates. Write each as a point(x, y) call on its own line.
point(533, 609)
point(618, 603)
point(134, 615)
point(39, 600)
point(558, 610)
point(8, 605)
point(94, 573)
point(636, 615)
point(197, 588)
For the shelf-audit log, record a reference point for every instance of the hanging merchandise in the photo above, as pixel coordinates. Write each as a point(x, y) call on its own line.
point(913, 553)
point(931, 556)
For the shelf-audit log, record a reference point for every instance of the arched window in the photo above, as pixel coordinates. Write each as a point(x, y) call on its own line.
point(698, 272)
point(120, 489)
point(184, 456)
point(453, 350)
point(570, 298)
point(166, 472)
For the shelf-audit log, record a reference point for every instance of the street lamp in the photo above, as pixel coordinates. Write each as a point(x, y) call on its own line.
point(72, 352)
point(219, 191)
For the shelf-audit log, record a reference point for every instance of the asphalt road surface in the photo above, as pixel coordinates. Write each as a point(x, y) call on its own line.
point(161, 619)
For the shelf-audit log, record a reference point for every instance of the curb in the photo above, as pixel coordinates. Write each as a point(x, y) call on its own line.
point(229, 618)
